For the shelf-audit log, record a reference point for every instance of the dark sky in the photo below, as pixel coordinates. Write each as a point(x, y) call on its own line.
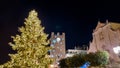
point(76, 18)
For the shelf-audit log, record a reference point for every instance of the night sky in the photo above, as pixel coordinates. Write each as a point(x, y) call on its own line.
point(76, 18)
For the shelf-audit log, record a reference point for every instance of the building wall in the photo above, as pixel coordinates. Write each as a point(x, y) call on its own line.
point(104, 38)
point(57, 42)
point(72, 52)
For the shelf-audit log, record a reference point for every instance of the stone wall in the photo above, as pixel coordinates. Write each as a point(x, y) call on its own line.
point(104, 38)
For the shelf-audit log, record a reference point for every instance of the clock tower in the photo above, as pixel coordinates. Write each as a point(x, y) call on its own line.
point(57, 42)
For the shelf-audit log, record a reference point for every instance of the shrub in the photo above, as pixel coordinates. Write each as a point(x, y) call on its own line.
point(99, 58)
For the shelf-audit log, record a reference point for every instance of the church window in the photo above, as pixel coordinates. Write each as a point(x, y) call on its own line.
point(101, 36)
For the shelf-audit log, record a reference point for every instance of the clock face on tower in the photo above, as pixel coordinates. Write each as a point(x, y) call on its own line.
point(58, 39)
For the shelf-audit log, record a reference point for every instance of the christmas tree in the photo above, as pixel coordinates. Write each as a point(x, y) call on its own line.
point(31, 45)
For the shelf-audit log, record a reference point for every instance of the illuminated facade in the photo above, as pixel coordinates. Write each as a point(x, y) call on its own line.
point(57, 42)
point(106, 36)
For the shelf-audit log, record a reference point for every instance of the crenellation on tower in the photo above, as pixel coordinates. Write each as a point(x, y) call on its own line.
point(58, 33)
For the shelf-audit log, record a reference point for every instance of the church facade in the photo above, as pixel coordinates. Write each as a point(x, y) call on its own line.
point(106, 36)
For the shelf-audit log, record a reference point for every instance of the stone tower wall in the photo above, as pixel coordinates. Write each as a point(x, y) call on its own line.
point(58, 47)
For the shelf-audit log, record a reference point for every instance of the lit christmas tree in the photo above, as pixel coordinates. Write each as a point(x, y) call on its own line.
point(31, 45)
